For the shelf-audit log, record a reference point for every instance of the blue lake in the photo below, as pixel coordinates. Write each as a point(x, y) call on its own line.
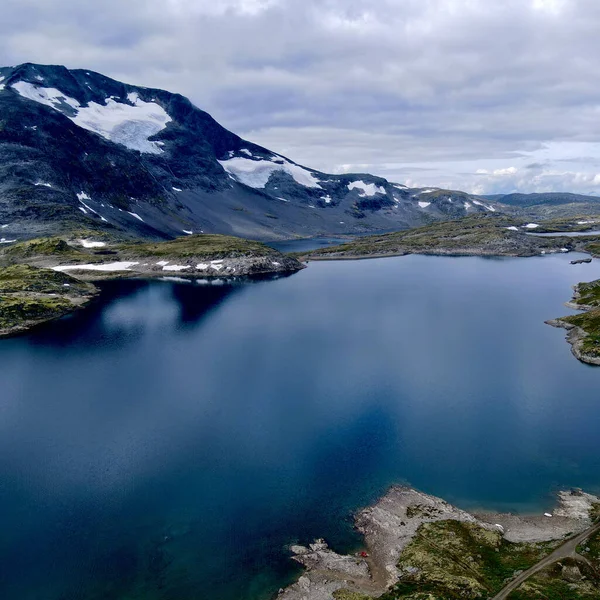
point(170, 441)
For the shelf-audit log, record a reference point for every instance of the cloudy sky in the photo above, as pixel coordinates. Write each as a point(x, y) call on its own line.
point(478, 95)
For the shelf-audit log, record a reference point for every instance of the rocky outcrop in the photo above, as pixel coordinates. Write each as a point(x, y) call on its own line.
point(394, 521)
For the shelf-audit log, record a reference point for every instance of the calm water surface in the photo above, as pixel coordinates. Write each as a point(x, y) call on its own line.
point(170, 441)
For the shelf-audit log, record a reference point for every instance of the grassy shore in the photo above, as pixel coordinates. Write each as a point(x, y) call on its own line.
point(494, 235)
point(30, 296)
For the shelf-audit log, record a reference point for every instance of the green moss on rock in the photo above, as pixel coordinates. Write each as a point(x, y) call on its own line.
point(589, 323)
point(205, 245)
point(16, 311)
point(588, 294)
point(25, 278)
point(451, 560)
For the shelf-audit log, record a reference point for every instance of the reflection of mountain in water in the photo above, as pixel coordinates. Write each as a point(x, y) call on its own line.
point(128, 309)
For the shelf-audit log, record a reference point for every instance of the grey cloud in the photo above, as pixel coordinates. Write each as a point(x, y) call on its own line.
point(421, 91)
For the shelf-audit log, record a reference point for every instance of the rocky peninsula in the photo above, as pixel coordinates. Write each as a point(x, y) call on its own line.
point(583, 329)
point(46, 278)
point(420, 547)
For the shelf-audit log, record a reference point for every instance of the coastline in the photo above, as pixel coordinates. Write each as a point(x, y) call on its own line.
point(390, 526)
point(576, 337)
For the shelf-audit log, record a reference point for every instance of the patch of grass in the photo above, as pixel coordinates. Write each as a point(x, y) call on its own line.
point(555, 583)
point(589, 322)
point(349, 595)
point(593, 248)
point(451, 560)
point(18, 310)
point(24, 278)
point(205, 245)
point(43, 247)
point(589, 293)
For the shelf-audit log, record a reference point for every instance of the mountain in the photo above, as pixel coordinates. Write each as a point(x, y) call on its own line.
point(81, 150)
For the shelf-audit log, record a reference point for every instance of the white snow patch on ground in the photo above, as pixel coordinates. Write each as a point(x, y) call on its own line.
point(467, 205)
point(585, 222)
point(118, 122)
point(5, 241)
point(162, 263)
point(427, 191)
point(44, 184)
point(136, 216)
point(175, 267)
point(282, 199)
point(275, 264)
point(187, 232)
point(256, 173)
point(399, 186)
point(513, 228)
point(4, 227)
point(117, 266)
point(202, 267)
point(83, 196)
point(246, 152)
point(216, 267)
point(326, 199)
point(366, 189)
point(177, 189)
point(424, 204)
point(91, 244)
point(531, 226)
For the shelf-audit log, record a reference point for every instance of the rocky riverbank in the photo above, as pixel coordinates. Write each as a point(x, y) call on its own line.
point(418, 546)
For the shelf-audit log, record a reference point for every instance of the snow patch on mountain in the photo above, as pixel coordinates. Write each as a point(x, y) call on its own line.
point(256, 173)
point(366, 189)
point(128, 124)
point(424, 204)
point(486, 206)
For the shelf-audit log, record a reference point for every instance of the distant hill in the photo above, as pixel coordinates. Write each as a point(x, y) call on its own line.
point(550, 198)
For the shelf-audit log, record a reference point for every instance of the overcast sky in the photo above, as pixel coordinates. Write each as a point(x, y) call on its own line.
point(477, 95)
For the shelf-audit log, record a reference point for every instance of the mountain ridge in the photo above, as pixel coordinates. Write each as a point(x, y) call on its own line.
point(79, 148)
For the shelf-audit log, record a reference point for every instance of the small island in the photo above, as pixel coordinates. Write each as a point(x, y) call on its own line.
point(46, 278)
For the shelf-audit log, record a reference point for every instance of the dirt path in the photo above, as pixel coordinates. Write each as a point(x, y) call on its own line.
point(567, 550)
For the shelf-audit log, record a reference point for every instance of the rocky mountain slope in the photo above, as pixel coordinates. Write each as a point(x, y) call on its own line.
point(78, 149)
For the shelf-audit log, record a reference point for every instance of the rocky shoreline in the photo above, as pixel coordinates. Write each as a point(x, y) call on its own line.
point(44, 279)
point(392, 524)
point(583, 329)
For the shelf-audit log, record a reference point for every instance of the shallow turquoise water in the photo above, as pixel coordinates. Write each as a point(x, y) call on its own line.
point(170, 441)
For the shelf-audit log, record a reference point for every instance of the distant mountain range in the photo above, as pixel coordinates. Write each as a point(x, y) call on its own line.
point(81, 150)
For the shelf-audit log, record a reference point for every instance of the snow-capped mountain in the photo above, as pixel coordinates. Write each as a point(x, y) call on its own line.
point(80, 149)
